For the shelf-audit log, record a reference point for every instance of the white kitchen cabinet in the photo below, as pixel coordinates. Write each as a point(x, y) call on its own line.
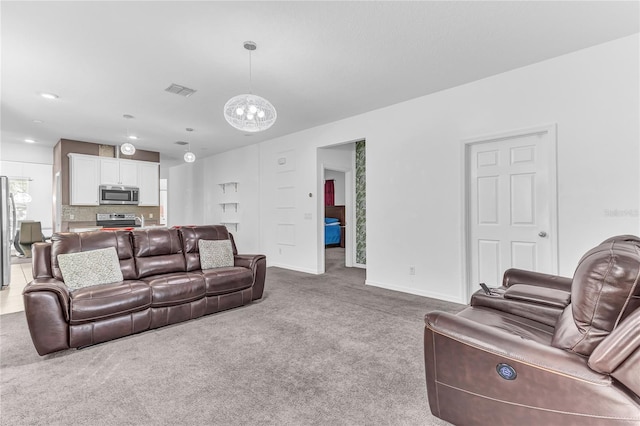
point(84, 175)
point(114, 171)
point(149, 183)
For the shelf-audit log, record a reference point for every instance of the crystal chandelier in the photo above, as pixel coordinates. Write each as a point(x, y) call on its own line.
point(249, 112)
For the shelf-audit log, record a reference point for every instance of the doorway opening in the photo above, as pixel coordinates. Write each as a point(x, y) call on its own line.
point(341, 206)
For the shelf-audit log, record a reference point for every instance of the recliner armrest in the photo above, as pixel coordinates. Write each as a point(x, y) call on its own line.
point(521, 303)
point(540, 295)
point(520, 276)
point(511, 346)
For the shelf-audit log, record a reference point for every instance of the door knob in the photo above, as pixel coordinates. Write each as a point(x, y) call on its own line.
point(542, 234)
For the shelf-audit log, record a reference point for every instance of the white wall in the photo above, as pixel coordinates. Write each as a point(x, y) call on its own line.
point(242, 166)
point(36, 163)
point(185, 194)
point(26, 153)
point(414, 168)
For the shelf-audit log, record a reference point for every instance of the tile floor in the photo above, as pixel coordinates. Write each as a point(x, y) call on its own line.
point(11, 296)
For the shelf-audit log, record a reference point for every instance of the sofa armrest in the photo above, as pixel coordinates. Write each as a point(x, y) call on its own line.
point(511, 346)
point(53, 285)
point(258, 265)
point(619, 353)
point(46, 305)
point(519, 276)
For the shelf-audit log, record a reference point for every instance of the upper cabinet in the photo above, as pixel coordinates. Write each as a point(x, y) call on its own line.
point(149, 183)
point(114, 171)
point(88, 172)
point(84, 175)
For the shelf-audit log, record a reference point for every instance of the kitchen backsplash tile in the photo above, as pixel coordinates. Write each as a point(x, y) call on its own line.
point(87, 214)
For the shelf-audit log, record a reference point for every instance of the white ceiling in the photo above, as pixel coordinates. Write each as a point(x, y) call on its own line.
point(317, 62)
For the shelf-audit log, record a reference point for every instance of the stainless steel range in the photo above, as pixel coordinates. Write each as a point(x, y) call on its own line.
point(117, 220)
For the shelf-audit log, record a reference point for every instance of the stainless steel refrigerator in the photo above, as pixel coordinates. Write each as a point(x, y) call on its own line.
point(7, 224)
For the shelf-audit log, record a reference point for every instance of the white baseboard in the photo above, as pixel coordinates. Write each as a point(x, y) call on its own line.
point(293, 268)
point(410, 290)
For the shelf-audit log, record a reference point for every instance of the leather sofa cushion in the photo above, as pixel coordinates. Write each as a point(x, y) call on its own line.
point(157, 251)
point(226, 280)
point(176, 288)
point(108, 300)
point(71, 242)
point(605, 290)
point(190, 236)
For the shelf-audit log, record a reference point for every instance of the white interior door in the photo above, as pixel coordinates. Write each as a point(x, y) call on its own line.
point(511, 205)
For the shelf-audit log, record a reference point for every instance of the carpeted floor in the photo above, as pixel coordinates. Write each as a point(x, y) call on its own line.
point(316, 350)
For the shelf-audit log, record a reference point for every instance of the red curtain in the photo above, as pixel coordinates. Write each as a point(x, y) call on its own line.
point(329, 194)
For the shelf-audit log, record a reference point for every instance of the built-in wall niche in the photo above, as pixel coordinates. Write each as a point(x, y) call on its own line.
point(229, 204)
point(285, 201)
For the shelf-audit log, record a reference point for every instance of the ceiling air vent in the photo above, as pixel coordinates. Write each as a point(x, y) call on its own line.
point(180, 90)
point(182, 143)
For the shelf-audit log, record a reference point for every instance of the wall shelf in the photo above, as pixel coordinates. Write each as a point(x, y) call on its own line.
point(234, 204)
point(224, 186)
point(230, 224)
point(229, 220)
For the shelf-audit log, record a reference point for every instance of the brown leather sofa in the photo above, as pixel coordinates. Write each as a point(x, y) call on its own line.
point(542, 349)
point(163, 284)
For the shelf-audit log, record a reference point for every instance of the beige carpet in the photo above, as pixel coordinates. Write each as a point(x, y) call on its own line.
point(316, 350)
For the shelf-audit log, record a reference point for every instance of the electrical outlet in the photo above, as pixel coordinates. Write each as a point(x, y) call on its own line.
point(72, 216)
point(150, 215)
point(412, 270)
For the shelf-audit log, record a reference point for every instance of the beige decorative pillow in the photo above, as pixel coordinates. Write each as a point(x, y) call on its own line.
point(215, 253)
point(89, 268)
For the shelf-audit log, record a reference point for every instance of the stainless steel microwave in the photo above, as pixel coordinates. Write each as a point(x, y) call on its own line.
point(117, 194)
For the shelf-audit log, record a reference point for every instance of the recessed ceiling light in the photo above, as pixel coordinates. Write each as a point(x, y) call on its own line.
point(49, 95)
point(133, 137)
point(30, 141)
point(38, 121)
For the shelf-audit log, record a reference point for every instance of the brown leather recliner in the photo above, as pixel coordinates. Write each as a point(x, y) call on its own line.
point(543, 349)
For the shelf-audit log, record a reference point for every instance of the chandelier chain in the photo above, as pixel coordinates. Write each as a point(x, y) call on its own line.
point(250, 75)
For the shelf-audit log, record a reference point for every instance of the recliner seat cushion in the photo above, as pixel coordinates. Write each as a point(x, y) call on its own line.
point(175, 289)
point(108, 300)
point(226, 280)
point(605, 290)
